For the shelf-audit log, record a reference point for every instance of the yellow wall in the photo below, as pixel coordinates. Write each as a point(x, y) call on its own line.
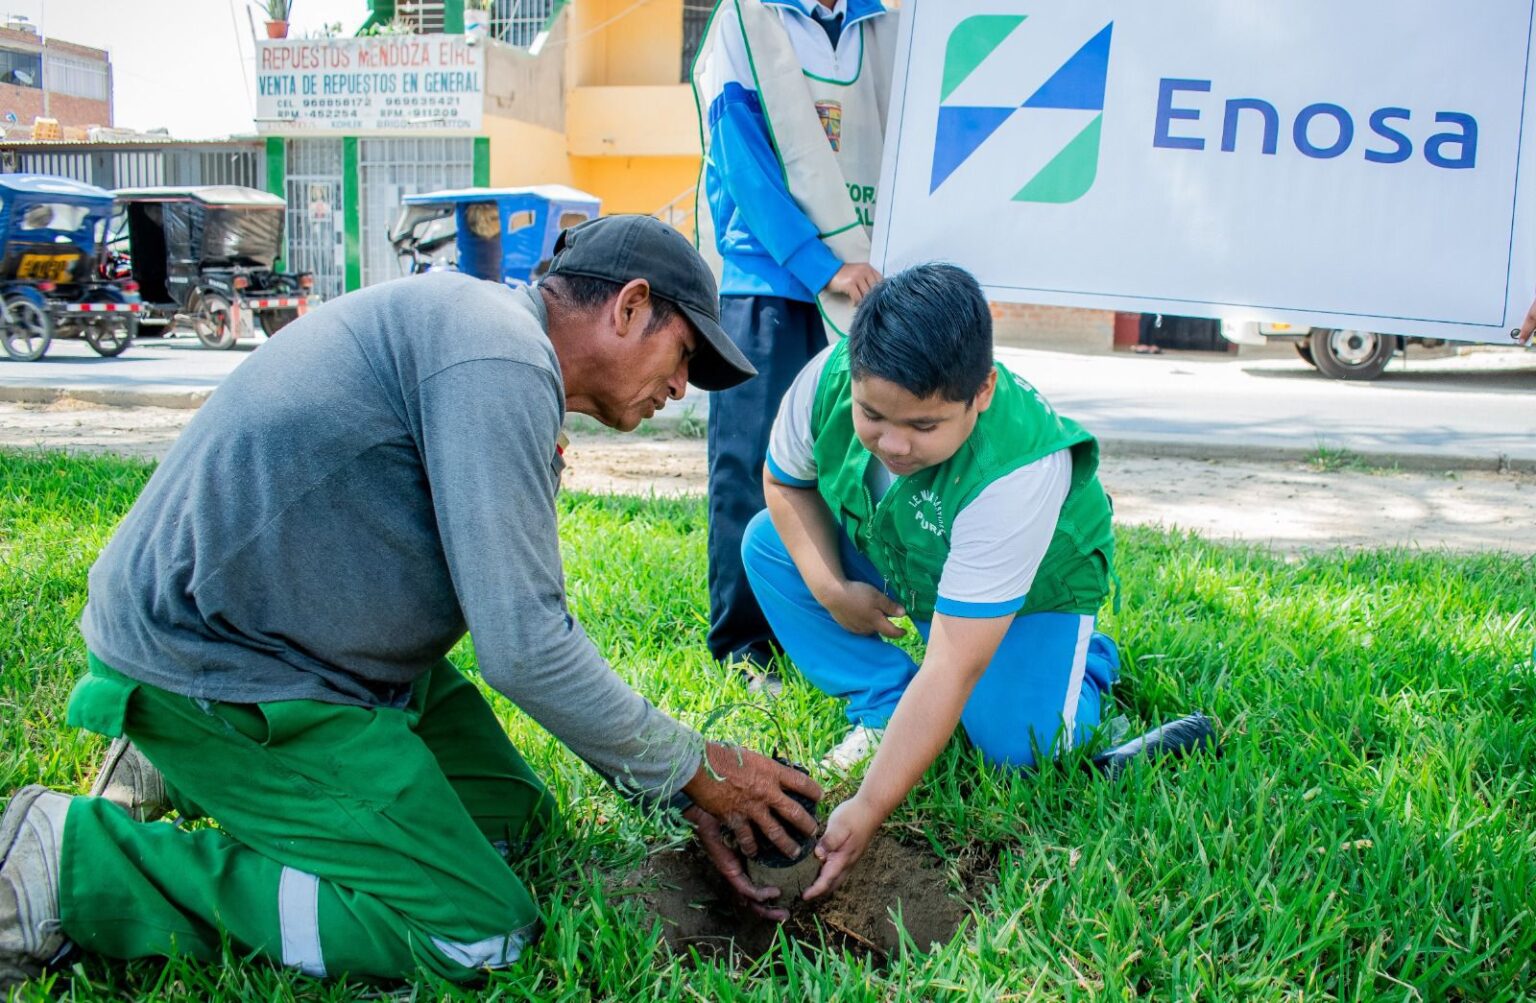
point(635, 184)
point(631, 134)
point(632, 121)
point(616, 43)
point(525, 154)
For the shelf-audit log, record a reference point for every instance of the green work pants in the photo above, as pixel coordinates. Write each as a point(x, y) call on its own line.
point(350, 839)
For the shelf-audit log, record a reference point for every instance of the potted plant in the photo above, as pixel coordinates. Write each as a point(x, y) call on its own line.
point(277, 18)
point(791, 875)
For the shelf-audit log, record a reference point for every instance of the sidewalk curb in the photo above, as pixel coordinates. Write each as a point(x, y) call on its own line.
point(108, 397)
point(1183, 449)
point(1193, 450)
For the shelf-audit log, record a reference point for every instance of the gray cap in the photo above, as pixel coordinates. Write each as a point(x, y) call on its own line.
point(626, 247)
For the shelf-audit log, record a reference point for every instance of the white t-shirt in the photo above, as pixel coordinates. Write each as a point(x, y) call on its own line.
point(998, 540)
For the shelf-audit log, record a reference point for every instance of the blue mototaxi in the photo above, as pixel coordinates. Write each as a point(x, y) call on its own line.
point(498, 234)
point(52, 241)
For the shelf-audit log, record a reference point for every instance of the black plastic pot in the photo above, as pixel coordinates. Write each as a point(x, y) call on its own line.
point(790, 875)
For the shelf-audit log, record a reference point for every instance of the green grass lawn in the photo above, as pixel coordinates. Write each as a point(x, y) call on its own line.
point(1371, 832)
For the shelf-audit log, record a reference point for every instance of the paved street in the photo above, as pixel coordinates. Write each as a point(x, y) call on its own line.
point(1469, 410)
point(1476, 407)
point(167, 372)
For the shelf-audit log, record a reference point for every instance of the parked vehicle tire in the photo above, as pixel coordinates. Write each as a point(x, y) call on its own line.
point(273, 321)
point(215, 327)
point(110, 339)
point(1351, 355)
point(1304, 349)
point(110, 334)
point(26, 329)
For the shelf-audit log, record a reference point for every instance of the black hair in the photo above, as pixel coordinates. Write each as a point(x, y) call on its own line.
point(928, 330)
point(584, 293)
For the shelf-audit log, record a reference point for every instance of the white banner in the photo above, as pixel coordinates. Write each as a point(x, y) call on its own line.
point(1345, 165)
point(388, 83)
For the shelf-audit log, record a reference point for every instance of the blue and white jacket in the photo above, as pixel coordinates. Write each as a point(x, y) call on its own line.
point(768, 245)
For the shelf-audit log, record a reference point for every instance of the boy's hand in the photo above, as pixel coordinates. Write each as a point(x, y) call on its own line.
point(852, 825)
point(854, 280)
point(863, 609)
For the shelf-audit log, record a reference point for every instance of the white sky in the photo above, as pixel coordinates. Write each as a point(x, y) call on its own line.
point(182, 64)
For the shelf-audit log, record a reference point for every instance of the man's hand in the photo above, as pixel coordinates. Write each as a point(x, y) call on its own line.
point(741, 788)
point(1528, 325)
point(854, 280)
point(728, 862)
point(852, 825)
point(863, 609)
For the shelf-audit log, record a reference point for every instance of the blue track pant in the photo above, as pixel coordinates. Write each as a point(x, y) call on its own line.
point(1051, 668)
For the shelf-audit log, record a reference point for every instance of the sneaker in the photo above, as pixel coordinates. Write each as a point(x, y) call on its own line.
point(757, 669)
point(31, 840)
point(128, 779)
point(762, 682)
point(856, 747)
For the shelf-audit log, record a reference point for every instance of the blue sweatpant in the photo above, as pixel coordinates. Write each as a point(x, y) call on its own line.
point(1052, 669)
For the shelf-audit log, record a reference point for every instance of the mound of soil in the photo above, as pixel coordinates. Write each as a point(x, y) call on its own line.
point(699, 912)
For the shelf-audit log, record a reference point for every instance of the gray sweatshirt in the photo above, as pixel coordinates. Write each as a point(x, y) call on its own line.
point(377, 479)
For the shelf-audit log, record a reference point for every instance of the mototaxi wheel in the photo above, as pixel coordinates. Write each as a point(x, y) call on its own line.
point(273, 321)
point(110, 334)
point(215, 327)
point(26, 329)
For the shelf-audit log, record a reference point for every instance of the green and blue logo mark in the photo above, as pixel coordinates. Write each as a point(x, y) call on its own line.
point(1077, 85)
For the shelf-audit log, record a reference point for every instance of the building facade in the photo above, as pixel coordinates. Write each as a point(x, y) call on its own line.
point(435, 94)
point(60, 88)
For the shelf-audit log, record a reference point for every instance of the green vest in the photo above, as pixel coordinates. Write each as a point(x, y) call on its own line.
point(907, 534)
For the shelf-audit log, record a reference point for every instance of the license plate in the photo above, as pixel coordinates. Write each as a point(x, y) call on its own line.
point(46, 267)
point(1279, 327)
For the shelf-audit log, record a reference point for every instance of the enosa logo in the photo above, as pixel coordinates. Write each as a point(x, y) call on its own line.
point(1076, 86)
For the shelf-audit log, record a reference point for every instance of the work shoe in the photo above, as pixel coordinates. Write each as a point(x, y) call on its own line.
point(856, 747)
point(1176, 739)
point(31, 840)
point(128, 779)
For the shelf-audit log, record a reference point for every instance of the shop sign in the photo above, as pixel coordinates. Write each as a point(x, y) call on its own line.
point(389, 83)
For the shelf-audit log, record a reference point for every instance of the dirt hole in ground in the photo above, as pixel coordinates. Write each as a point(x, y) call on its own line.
point(698, 912)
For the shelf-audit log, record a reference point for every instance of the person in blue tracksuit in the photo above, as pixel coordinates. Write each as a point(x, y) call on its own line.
point(775, 261)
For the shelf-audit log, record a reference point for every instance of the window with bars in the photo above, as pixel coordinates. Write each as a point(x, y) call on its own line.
point(23, 69)
point(75, 76)
point(519, 22)
point(695, 19)
point(426, 17)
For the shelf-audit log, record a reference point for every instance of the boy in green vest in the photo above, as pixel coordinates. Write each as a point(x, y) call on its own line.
point(910, 474)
